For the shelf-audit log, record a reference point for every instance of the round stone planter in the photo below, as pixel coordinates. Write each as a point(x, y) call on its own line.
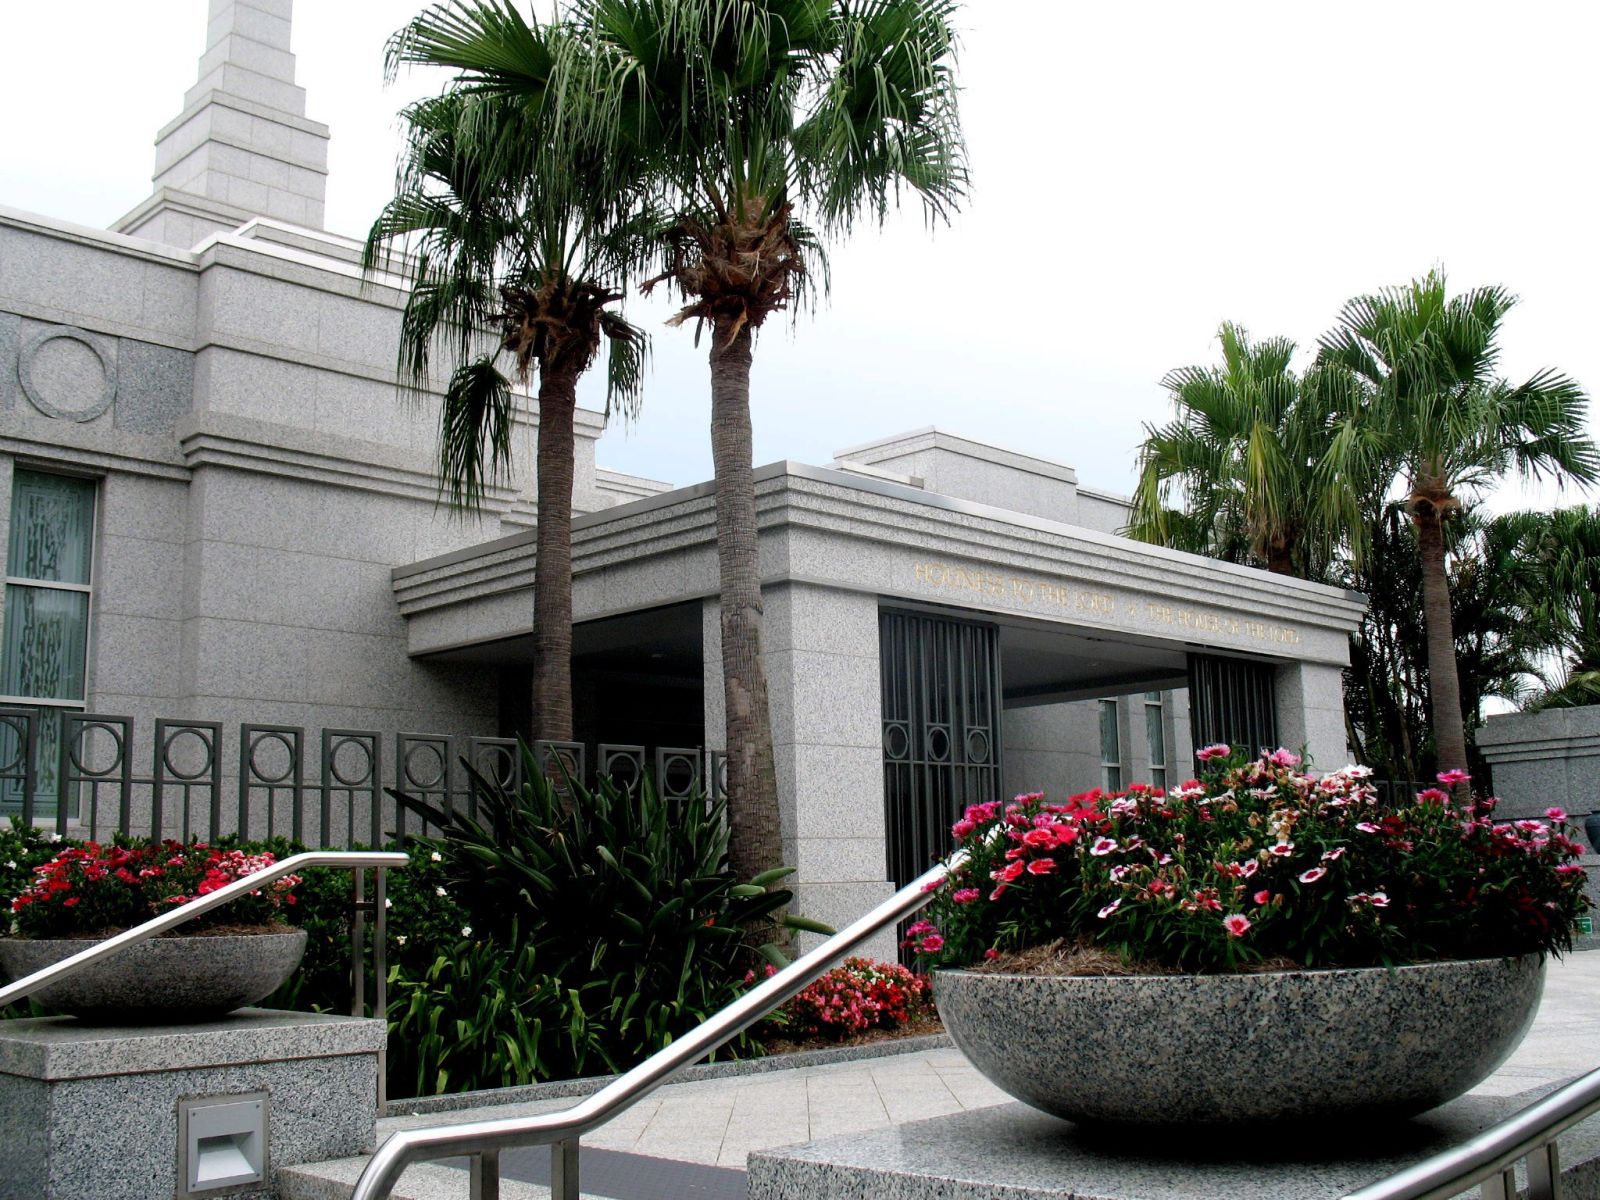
point(1227, 1049)
point(195, 977)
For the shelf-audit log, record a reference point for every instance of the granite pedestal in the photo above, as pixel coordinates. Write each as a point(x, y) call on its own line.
point(1013, 1152)
point(91, 1112)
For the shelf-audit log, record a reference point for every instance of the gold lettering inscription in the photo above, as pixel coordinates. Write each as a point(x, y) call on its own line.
point(1071, 597)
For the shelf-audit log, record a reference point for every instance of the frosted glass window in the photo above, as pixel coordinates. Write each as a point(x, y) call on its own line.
point(1156, 736)
point(46, 635)
point(45, 638)
point(1110, 747)
point(52, 522)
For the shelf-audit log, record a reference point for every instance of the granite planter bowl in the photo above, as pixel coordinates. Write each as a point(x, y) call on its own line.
point(1228, 1049)
point(194, 977)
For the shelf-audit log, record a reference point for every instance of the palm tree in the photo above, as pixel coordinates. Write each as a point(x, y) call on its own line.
point(1441, 412)
point(517, 241)
point(1564, 552)
point(754, 111)
point(1265, 462)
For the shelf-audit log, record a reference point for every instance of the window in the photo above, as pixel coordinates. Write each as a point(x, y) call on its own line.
point(1156, 735)
point(1110, 748)
point(44, 646)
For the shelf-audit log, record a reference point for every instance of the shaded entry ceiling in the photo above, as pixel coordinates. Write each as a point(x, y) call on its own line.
point(1051, 665)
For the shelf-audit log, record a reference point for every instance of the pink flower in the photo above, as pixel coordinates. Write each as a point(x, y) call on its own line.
point(1041, 866)
point(1434, 796)
point(1333, 855)
point(1103, 846)
point(1452, 777)
point(1109, 909)
point(1282, 849)
point(1207, 753)
point(966, 895)
point(1248, 868)
point(962, 828)
point(1314, 874)
point(1368, 827)
point(1556, 814)
point(1262, 896)
point(1283, 758)
point(1040, 839)
point(1236, 924)
point(922, 926)
point(991, 954)
point(932, 885)
point(1379, 899)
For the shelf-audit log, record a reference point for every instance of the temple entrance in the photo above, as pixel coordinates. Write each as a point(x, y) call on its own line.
point(941, 730)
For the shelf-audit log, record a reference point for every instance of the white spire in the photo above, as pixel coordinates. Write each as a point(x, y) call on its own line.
point(242, 147)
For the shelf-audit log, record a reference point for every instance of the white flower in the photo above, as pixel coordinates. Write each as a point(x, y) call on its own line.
point(466, 931)
point(54, 837)
point(1109, 909)
point(401, 940)
point(1102, 847)
point(436, 856)
point(439, 891)
point(11, 865)
point(388, 903)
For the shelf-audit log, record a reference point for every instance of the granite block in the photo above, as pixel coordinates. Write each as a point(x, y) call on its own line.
point(54, 1049)
point(1011, 1152)
point(155, 386)
point(91, 1113)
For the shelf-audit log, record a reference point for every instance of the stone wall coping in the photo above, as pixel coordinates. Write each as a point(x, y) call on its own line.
point(57, 1048)
point(931, 437)
point(88, 235)
point(787, 493)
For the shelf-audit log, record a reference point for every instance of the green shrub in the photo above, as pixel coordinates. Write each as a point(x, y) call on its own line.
point(488, 1015)
point(626, 896)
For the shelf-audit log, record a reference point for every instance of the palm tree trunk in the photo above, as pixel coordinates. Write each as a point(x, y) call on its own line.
point(1444, 686)
point(552, 580)
point(755, 841)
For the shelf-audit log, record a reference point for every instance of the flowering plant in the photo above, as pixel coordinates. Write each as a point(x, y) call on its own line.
point(862, 994)
point(1256, 862)
point(94, 889)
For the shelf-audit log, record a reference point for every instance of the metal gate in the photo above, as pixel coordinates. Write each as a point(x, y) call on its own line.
point(1233, 701)
point(941, 730)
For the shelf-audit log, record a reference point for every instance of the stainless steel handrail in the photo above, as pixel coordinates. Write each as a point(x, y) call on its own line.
point(484, 1140)
point(350, 859)
point(1491, 1157)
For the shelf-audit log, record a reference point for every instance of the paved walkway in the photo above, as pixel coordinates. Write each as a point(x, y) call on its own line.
point(718, 1122)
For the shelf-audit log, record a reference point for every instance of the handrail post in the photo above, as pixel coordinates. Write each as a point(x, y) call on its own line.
point(483, 1176)
point(1544, 1173)
point(358, 938)
point(380, 982)
point(564, 1169)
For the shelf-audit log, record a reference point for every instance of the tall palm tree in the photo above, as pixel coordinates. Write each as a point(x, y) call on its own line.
point(517, 241)
point(1563, 548)
point(760, 115)
point(1266, 463)
point(1453, 426)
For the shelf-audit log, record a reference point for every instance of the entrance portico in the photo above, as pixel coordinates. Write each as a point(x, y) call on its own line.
point(1069, 613)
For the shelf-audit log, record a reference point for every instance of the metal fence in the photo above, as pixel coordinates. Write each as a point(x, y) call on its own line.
point(323, 789)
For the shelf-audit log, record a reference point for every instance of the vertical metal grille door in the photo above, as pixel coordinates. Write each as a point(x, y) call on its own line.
point(1233, 700)
point(941, 731)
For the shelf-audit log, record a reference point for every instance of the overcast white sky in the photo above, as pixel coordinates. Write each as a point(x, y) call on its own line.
point(1141, 172)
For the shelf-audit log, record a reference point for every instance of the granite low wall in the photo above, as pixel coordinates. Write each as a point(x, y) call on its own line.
point(1544, 759)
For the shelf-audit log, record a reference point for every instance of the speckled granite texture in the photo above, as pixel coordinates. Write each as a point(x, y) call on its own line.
point(91, 1113)
point(163, 979)
point(1013, 1152)
point(1217, 1049)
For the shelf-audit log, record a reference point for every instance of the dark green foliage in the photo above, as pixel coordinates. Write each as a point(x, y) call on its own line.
point(622, 895)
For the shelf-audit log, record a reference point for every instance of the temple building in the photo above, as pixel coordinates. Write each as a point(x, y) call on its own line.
point(219, 515)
